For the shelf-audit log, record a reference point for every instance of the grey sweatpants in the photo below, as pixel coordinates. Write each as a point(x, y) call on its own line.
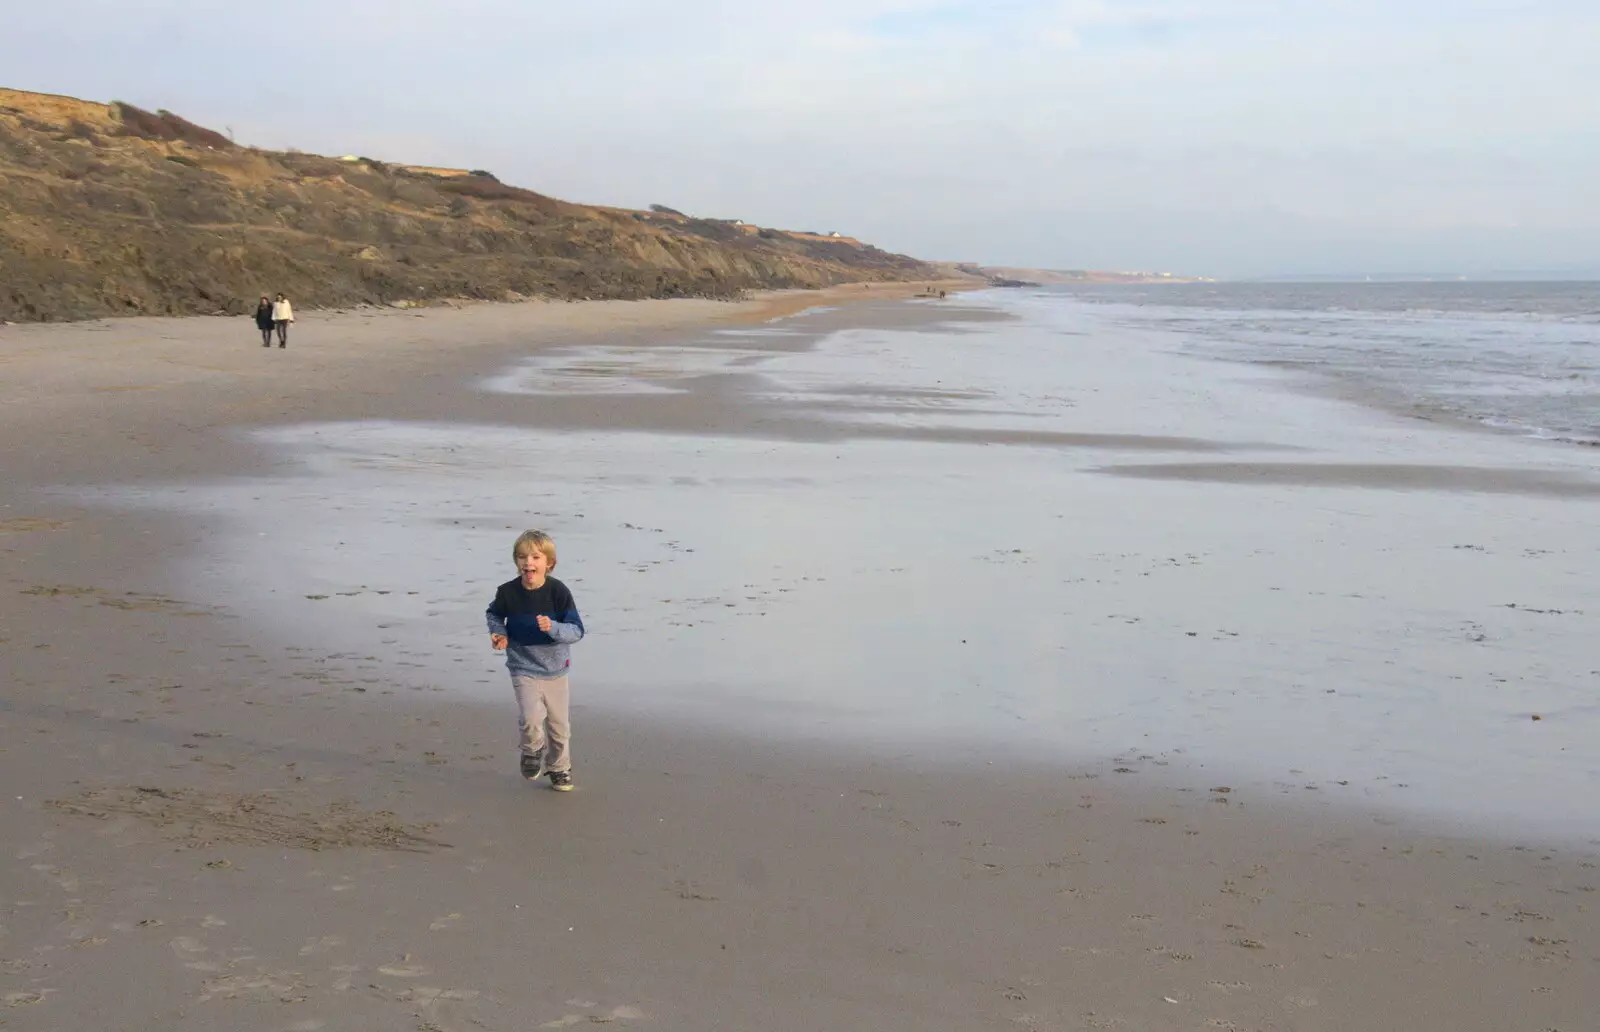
point(543, 701)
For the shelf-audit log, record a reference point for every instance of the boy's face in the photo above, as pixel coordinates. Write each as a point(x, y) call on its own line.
point(533, 565)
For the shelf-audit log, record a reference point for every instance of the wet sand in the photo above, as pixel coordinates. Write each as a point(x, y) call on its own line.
point(212, 825)
point(1383, 476)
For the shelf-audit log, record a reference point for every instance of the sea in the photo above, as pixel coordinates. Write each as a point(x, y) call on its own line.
point(1518, 357)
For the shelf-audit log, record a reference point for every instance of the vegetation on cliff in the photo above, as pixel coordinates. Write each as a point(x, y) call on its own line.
point(113, 210)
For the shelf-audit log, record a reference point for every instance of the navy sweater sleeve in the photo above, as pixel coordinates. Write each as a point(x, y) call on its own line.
point(566, 626)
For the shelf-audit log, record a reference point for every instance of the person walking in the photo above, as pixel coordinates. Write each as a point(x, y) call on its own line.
point(264, 321)
point(282, 316)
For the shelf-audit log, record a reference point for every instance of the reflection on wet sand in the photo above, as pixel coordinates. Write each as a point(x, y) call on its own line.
point(758, 562)
point(886, 377)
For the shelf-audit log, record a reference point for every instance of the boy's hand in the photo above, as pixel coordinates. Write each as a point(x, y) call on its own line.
point(498, 641)
point(544, 624)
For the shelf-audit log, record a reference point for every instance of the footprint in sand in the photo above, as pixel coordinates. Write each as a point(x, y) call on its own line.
point(283, 986)
point(621, 1013)
point(186, 947)
point(431, 997)
point(65, 880)
point(31, 851)
point(189, 950)
point(322, 945)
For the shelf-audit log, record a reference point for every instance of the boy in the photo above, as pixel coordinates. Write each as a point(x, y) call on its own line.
point(534, 621)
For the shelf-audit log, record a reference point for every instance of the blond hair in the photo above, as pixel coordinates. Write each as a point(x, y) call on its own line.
point(529, 540)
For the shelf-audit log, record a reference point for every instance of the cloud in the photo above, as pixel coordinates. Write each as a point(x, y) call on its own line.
point(1259, 132)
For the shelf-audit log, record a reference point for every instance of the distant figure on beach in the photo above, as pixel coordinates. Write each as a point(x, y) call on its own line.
point(282, 316)
point(534, 620)
point(264, 321)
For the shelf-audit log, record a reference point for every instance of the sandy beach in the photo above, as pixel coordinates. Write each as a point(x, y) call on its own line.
point(1326, 761)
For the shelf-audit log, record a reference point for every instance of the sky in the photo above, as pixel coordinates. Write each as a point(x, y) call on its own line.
point(1231, 138)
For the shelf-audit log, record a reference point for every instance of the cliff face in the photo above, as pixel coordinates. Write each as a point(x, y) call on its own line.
point(110, 210)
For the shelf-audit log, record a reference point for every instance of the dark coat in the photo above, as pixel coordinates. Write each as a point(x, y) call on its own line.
point(264, 316)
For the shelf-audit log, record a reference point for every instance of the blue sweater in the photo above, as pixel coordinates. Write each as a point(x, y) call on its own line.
point(532, 652)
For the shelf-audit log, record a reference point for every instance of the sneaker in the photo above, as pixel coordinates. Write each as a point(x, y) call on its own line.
point(532, 766)
point(561, 780)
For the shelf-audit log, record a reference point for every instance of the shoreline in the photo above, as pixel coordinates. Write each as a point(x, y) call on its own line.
point(1325, 377)
point(1327, 383)
point(701, 880)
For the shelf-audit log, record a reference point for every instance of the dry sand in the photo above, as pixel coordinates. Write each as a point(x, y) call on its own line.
point(207, 828)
